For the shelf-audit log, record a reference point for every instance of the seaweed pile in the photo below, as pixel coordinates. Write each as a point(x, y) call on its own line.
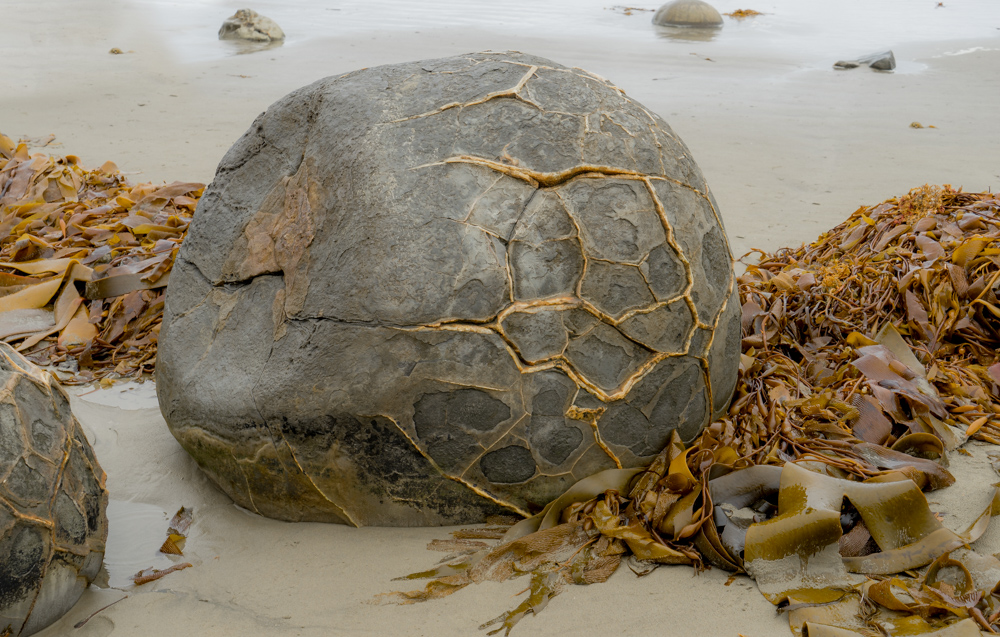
point(867, 356)
point(84, 259)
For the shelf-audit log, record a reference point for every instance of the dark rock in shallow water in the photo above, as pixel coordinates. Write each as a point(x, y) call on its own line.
point(883, 61)
point(52, 501)
point(426, 292)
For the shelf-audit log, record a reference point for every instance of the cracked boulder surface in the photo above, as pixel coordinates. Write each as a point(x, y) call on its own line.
point(423, 293)
point(53, 526)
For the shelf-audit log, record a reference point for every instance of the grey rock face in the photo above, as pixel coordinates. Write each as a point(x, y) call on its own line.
point(247, 24)
point(52, 501)
point(422, 293)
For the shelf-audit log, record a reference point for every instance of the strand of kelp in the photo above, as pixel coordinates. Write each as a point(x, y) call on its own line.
point(84, 259)
point(867, 356)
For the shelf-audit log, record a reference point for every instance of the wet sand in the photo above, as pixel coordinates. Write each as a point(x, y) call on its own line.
point(789, 146)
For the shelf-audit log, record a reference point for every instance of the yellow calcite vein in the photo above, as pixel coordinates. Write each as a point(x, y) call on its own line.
point(509, 92)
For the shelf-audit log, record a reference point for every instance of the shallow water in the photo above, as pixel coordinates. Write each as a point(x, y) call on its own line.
point(807, 31)
point(136, 531)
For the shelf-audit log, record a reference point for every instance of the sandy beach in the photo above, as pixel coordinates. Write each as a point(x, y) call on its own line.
point(789, 146)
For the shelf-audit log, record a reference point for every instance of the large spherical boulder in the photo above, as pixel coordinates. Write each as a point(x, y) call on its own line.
point(52, 500)
point(425, 292)
point(687, 13)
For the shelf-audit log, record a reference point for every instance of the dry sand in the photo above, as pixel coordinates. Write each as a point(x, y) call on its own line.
point(789, 146)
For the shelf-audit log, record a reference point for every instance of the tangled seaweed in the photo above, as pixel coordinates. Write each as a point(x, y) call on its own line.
point(867, 355)
point(84, 259)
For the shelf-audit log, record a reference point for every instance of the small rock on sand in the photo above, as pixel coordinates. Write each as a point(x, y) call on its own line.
point(882, 61)
point(247, 24)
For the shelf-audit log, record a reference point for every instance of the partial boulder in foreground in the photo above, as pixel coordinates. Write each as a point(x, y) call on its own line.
point(53, 526)
point(247, 24)
point(424, 293)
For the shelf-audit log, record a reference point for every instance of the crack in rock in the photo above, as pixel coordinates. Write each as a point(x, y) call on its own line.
point(400, 319)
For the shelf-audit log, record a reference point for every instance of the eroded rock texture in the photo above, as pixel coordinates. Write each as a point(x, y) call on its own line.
point(52, 500)
point(421, 293)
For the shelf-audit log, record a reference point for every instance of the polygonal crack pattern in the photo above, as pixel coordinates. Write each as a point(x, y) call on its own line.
point(538, 335)
point(603, 291)
point(52, 495)
point(664, 272)
point(550, 216)
point(554, 436)
point(615, 288)
point(449, 423)
point(617, 218)
point(552, 268)
point(673, 396)
point(664, 329)
point(605, 357)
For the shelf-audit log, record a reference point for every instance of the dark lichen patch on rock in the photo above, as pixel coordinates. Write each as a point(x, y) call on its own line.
point(456, 274)
point(22, 562)
point(508, 465)
point(471, 410)
point(553, 439)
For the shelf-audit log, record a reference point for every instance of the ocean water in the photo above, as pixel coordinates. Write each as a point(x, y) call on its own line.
point(804, 30)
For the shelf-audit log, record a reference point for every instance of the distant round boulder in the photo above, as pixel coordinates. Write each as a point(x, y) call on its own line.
point(53, 525)
point(247, 24)
point(687, 13)
point(422, 293)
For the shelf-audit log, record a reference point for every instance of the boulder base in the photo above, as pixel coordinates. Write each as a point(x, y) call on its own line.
point(423, 293)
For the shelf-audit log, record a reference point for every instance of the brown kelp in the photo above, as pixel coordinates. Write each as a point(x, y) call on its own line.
point(84, 259)
point(740, 14)
point(868, 355)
